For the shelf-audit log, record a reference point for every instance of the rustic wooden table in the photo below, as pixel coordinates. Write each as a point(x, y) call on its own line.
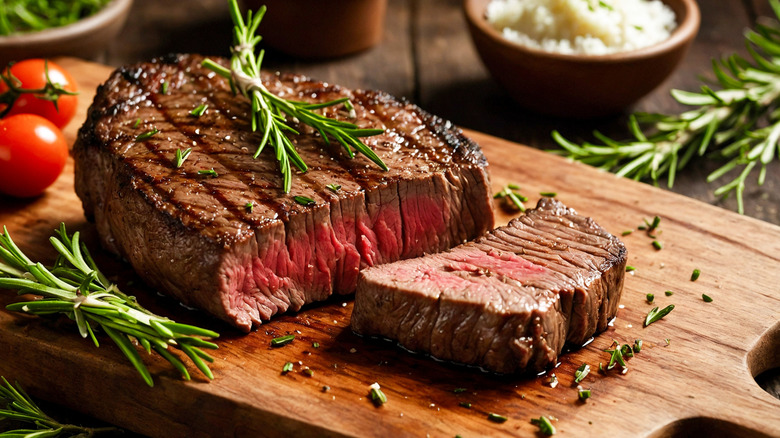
point(427, 56)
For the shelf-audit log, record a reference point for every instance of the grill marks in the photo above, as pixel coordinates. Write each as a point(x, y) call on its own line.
point(248, 265)
point(507, 301)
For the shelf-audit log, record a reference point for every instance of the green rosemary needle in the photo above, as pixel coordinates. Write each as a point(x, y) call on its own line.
point(544, 424)
point(695, 274)
point(304, 200)
point(208, 172)
point(738, 124)
point(269, 111)
point(497, 418)
point(199, 110)
point(377, 396)
point(334, 187)
point(181, 156)
point(19, 407)
point(147, 135)
point(581, 372)
point(75, 287)
point(282, 340)
point(655, 314)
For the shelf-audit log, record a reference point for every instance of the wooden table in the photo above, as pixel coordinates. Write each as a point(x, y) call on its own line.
point(427, 57)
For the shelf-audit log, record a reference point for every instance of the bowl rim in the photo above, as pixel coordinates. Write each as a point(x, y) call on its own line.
point(684, 32)
point(110, 12)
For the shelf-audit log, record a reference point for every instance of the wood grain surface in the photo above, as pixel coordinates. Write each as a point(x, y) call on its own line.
point(427, 56)
point(695, 372)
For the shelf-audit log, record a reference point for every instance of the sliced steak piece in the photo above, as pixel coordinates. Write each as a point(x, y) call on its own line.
point(508, 301)
point(233, 243)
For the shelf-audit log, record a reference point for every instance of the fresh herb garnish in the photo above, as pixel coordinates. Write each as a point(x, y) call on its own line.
point(656, 314)
point(199, 110)
point(583, 394)
point(626, 233)
point(544, 424)
point(315, 344)
point(669, 293)
point(695, 275)
point(459, 390)
point(627, 351)
point(181, 156)
point(304, 200)
point(269, 110)
point(466, 405)
point(737, 123)
point(137, 123)
point(548, 194)
point(511, 198)
point(496, 418)
point(75, 287)
point(637, 346)
point(146, 135)
point(650, 298)
point(377, 396)
point(616, 356)
point(657, 245)
point(630, 268)
point(19, 407)
point(208, 172)
point(706, 298)
point(282, 340)
point(249, 207)
point(164, 87)
point(334, 187)
point(308, 372)
point(581, 372)
point(287, 367)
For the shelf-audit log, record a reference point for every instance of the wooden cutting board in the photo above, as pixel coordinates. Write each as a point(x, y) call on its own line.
point(694, 375)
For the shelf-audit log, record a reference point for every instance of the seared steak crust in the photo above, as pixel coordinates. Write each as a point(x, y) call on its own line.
point(508, 301)
point(196, 237)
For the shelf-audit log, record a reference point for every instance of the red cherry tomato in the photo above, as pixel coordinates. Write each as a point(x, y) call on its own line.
point(32, 74)
point(32, 154)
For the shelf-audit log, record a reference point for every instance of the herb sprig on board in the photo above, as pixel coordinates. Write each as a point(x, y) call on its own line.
point(75, 287)
point(739, 123)
point(270, 112)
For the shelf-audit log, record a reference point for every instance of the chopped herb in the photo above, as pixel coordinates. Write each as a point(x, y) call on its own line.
point(653, 225)
point(668, 341)
point(706, 298)
point(630, 268)
point(303, 200)
point(695, 275)
point(512, 199)
point(657, 245)
point(496, 418)
point(516, 200)
point(209, 172)
point(146, 135)
point(459, 390)
point(164, 88)
point(377, 396)
point(315, 344)
point(466, 405)
point(616, 356)
point(334, 187)
point(583, 394)
point(650, 298)
point(605, 5)
point(199, 110)
point(308, 371)
point(249, 206)
point(513, 186)
point(601, 367)
point(282, 340)
point(181, 156)
point(581, 372)
point(627, 351)
point(325, 388)
point(656, 314)
point(544, 424)
point(548, 194)
point(627, 232)
point(669, 293)
point(287, 367)
point(137, 123)
point(637, 346)
point(641, 228)
point(639, 28)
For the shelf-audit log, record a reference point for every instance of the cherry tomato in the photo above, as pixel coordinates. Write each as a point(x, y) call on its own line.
point(32, 154)
point(32, 74)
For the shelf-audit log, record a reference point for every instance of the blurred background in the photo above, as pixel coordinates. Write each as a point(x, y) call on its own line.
point(426, 56)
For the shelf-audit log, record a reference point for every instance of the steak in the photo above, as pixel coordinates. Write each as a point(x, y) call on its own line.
point(231, 241)
point(506, 302)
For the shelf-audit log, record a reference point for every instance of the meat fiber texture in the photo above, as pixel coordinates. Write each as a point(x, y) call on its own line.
point(234, 244)
point(506, 302)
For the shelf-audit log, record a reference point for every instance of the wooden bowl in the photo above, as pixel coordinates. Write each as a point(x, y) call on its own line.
point(580, 86)
point(316, 29)
point(85, 38)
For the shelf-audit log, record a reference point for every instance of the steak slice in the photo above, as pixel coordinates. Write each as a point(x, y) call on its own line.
point(506, 302)
point(233, 243)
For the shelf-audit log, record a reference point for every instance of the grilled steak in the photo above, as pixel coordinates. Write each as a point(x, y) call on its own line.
point(232, 242)
point(507, 301)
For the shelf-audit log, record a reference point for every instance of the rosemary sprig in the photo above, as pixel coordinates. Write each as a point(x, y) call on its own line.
point(51, 91)
point(75, 287)
point(270, 112)
point(739, 123)
point(16, 405)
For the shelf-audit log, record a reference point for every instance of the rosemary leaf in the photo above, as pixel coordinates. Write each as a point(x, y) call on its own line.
point(655, 314)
